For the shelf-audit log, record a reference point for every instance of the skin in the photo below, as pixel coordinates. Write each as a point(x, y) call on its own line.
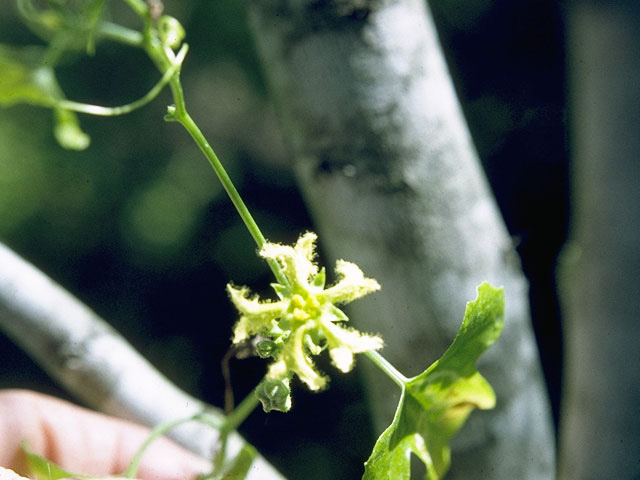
point(83, 441)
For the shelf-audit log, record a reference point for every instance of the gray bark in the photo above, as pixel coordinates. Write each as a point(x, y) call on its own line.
point(94, 363)
point(600, 433)
point(392, 180)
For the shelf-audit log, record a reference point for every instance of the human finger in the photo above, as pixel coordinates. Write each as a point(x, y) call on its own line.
point(83, 441)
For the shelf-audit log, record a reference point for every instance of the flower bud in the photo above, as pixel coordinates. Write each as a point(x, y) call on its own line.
point(266, 348)
point(274, 395)
point(170, 30)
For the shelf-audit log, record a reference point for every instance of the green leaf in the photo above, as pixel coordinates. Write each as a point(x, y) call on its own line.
point(24, 80)
point(42, 469)
point(239, 467)
point(435, 404)
point(65, 25)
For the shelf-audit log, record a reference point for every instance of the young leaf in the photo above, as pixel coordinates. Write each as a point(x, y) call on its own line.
point(63, 24)
point(239, 467)
point(435, 404)
point(24, 80)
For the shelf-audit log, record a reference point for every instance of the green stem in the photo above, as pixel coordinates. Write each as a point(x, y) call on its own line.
point(138, 6)
point(121, 34)
point(241, 412)
point(224, 178)
point(162, 57)
point(384, 365)
point(129, 107)
point(178, 112)
point(187, 122)
point(157, 432)
point(178, 97)
point(232, 422)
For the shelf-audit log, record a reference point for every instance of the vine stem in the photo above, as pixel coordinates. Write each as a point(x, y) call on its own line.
point(185, 119)
point(120, 34)
point(138, 6)
point(156, 433)
point(228, 185)
point(384, 365)
point(241, 412)
point(178, 112)
point(129, 107)
point(165, 60)
point(232, 422)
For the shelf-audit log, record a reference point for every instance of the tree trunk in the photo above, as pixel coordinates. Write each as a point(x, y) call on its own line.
point(600, 433)
point(392, 180)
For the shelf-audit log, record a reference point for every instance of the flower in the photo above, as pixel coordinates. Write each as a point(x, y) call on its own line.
point(305, 319)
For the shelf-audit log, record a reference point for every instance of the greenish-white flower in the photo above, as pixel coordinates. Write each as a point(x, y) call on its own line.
point(305, 319)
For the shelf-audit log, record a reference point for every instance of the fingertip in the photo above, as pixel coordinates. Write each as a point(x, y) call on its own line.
point(84, 441)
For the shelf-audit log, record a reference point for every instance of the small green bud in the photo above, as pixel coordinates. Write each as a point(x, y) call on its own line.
point(170, 116)
point(170, 30)
point(266, 348)
point(67, 131)
point(274, 395)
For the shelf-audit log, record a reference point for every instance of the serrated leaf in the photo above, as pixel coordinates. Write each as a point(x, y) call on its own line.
point(391, 455)
point(435, 404)
point(42, 469)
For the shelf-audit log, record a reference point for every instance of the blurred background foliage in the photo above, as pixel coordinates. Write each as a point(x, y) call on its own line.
point(138, 227)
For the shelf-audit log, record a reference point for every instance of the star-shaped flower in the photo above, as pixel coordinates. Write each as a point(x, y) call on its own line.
point(305, 319)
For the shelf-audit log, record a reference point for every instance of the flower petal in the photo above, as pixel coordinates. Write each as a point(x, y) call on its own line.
point(342, 358)
point(298, 361)
point(352, 284)
point(255, 308)
point(357, 342)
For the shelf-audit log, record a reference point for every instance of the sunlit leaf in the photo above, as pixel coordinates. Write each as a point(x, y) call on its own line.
point(435, 404)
